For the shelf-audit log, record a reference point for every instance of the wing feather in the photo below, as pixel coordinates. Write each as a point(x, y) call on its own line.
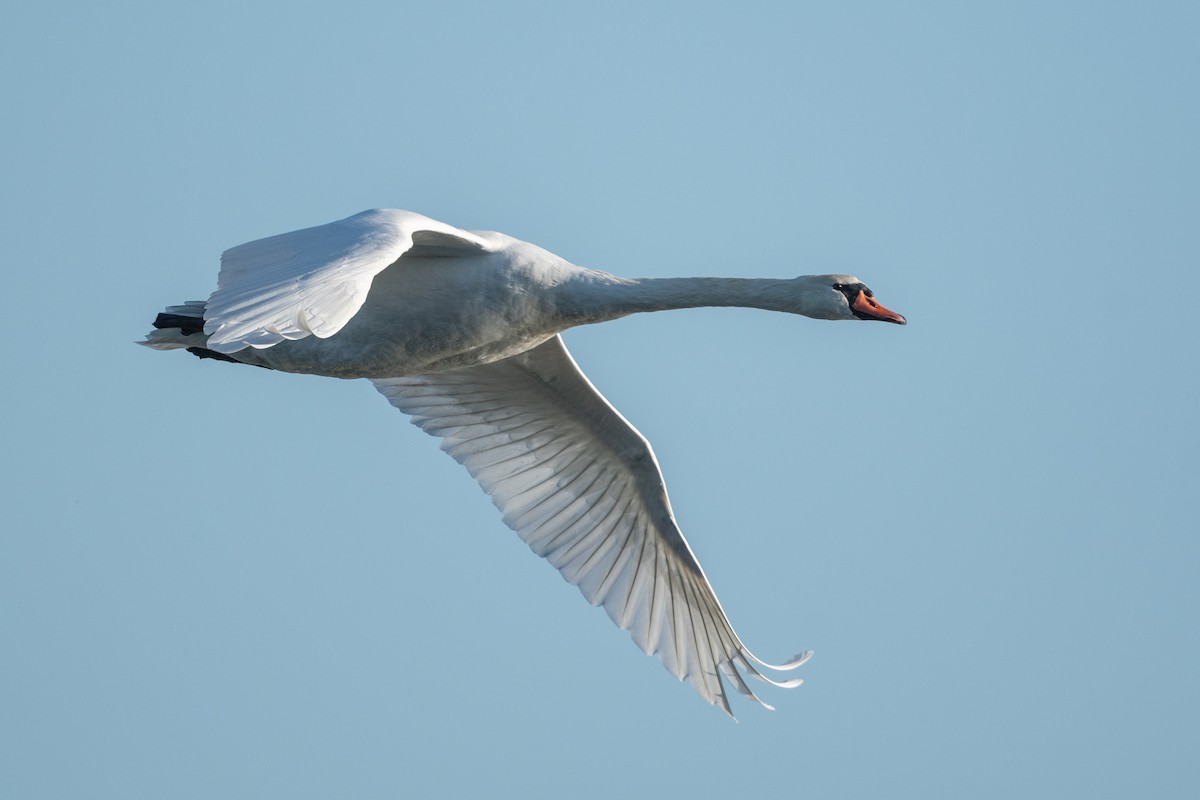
point(582, 488)
point(311, 282)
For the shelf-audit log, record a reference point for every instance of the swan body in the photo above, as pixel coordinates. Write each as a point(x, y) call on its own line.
point(460, 329)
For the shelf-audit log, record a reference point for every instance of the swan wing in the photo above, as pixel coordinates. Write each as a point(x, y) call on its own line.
point(313, 281)
point(582, 488)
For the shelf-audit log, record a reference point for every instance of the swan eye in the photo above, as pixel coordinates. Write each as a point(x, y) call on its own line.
point(848, 290)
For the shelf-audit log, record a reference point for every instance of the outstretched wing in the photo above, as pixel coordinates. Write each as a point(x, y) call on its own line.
point(313, 281)
point(582, 488)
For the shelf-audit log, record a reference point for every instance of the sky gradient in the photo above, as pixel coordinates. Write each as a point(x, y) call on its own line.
point(223, 582)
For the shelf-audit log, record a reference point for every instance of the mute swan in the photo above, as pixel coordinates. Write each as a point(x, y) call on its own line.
point(460, 329)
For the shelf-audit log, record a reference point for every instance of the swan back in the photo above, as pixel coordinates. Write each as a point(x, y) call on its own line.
point(311, 282)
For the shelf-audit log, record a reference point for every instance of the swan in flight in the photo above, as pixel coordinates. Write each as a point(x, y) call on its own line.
point(460, 330)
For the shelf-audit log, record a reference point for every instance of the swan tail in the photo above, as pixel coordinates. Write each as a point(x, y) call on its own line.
point(178, 327)
point(182, 327)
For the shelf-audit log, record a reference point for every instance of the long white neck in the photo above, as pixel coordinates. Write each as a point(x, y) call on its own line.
point(597, 296)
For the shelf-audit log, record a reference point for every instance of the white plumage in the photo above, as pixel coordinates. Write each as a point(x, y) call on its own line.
point(314, 280)
point(460, 330)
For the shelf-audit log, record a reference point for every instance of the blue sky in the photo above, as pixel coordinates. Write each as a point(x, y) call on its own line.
point(222, 582)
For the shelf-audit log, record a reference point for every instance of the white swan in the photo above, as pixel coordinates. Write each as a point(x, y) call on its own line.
point(460, 329)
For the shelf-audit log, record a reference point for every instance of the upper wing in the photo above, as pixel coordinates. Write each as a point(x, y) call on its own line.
point(314, 280)
point(582, 488)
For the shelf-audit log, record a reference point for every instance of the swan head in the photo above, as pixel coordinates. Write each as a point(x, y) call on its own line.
point(842, 297)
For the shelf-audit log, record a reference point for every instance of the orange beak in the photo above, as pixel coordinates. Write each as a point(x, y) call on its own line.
point(869, 309)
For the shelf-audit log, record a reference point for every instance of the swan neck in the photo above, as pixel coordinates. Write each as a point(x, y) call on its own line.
point(598, 296)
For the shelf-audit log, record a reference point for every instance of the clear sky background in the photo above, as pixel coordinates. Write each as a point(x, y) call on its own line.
point(223, 582)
